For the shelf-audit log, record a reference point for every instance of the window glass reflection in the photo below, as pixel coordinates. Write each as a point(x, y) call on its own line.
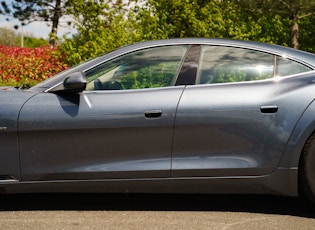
point(149, 68)
point(228, 64)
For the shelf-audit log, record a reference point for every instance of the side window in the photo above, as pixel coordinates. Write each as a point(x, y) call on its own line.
point(220, 64)
point(286, 67)
point(148, 68)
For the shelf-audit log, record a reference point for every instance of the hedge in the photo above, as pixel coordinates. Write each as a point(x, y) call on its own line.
point(29, 66)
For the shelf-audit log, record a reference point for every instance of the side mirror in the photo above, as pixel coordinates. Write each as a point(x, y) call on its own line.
point(75, 82)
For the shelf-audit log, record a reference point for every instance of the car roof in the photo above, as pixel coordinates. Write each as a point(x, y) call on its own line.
point(302, 57)
point(299, 55)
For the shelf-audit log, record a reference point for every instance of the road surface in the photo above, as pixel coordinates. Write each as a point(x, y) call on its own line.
point(114, 211)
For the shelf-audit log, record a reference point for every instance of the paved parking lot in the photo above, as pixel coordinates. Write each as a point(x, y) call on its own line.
point(112, 211)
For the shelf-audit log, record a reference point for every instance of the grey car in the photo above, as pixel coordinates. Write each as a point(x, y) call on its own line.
point(168, 116)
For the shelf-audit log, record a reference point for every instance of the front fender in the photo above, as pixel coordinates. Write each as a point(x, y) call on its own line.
point(11, 102)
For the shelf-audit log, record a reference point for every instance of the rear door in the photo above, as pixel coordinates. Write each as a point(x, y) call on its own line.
point(234, 122)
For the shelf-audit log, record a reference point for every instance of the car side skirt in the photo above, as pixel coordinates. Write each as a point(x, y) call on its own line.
point(281, 182)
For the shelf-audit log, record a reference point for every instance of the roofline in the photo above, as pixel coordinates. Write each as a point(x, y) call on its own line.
point(302, 57)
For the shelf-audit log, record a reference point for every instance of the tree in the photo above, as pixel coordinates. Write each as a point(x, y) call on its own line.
point(292, 10)
point(184, 18)
point(214, 18)
point(9, 37)
point(32, 42)
point(102, 26)
point(307, 34)
point(28, 11)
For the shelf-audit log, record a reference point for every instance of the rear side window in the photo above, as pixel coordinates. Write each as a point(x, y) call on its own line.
point(286, 67)
point(219, 64)
point(229, 64)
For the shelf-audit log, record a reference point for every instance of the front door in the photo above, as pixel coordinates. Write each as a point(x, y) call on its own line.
point(120, 127)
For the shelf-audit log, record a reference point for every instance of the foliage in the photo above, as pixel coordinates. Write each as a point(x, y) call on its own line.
point(290, 11)
point(32, 42)
point(159, 75)
point(28, 66)
point(187, 18)
point(220, 19)
point(28, 11)
point(307, 34)
point(104, 25)
point(9, 37)
point(101, 28)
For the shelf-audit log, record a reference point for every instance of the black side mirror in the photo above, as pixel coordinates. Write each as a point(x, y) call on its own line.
point(75, 82)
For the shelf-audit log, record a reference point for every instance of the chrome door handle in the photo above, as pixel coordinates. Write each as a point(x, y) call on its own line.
point(153, 113)
point(269, 109)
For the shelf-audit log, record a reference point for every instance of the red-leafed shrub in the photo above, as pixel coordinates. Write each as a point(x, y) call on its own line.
point(29, 65)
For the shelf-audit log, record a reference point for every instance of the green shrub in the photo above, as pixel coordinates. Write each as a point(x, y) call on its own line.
point(29, 66)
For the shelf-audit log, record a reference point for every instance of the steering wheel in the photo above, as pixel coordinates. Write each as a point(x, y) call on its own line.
point(112, 85)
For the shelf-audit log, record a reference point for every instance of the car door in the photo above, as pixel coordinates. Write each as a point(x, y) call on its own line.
point(234, 122)
point(120, 127)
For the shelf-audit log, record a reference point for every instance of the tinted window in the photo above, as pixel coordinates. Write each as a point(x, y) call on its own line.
point(287, 67)
point(228, 64)
point(149, 68)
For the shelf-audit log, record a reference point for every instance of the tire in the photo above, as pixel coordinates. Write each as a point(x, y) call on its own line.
point(307, 172)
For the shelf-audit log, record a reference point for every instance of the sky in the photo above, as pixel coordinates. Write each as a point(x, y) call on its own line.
point(36, 29)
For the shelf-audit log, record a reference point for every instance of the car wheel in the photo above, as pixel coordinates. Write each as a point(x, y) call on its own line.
point(307, 171)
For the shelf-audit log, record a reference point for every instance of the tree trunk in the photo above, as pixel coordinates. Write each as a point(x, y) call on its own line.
point(55, 23)
point(294, 32)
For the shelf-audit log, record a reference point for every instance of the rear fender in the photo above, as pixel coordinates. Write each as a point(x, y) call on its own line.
point(302, 131)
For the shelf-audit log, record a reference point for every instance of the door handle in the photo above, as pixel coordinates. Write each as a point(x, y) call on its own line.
point(269, 109)
point(153, 113)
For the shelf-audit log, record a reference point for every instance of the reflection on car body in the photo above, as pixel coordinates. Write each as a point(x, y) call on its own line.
point(174, 116)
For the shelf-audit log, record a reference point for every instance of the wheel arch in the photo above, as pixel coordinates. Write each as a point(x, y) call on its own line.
point(303, 130)
point(292, 154)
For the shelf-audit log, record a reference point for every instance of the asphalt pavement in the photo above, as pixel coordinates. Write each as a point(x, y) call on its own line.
point(145, 211)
